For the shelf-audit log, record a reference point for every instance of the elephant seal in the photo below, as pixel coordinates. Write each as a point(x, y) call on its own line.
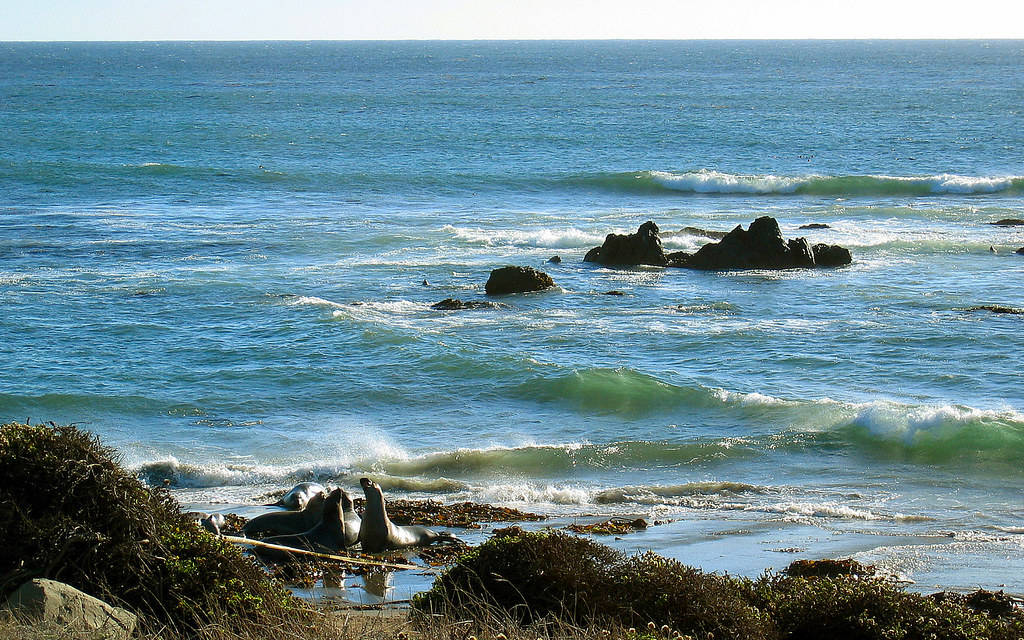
point(288, 522)
point(352, 520)
point(297, 497)
point(378, 533)
point(212, 522)
point(328, 536)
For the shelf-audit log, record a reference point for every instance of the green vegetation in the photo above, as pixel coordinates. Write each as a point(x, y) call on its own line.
point(551, 574)
point(70, 512)
point(554, 574)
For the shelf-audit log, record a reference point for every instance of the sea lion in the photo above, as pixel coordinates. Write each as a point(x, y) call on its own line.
point(288, 522)
point(378, 533)
point(328, 536)
point(352, 520)
point(212, 522)
point(297, 497)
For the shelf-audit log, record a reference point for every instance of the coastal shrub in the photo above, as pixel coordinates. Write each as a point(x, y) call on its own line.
point(70, 512)
point(553, 574)
point(852, 608)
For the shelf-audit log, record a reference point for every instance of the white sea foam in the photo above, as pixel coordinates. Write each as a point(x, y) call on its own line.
point(911, 424)
point(556, 238)
point(948, 183)
point(748, 399)
point(816, 510)
point(379, 311)
point(708, 181)
point(313, 301)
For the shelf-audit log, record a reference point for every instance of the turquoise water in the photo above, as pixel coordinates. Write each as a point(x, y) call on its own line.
point(221, 258)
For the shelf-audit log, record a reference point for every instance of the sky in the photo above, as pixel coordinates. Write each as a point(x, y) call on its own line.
point(504, 19)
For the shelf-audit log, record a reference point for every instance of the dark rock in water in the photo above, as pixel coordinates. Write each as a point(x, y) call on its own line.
point(1009, 222)
point(815, 225)
point(1021, 251)
point(517, 280)
point(454, 304)
point(614, 293)
point(994, 308)
point(555, 260)
point(831, 255)
point(642, 247)
point(761, 246)
point(677, 258)
point(697, 231)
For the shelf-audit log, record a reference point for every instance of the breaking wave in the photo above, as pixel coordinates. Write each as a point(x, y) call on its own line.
point(706, 181)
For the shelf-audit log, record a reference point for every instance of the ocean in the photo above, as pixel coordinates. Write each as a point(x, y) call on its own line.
point(221, 258)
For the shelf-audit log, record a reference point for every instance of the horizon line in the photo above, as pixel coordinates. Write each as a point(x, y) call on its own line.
point(523, 39)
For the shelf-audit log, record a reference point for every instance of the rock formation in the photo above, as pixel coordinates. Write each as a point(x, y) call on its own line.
point(761, 246)
point(642, 247)
point(517, 280)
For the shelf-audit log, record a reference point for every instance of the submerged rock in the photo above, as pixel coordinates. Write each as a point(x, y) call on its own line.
point(555, 260)
point(517, 280)
point(642, 247)
point(454, 304)
point(995, 308)
point(815, 225)
point(761, 246)
point(1009, 222)
point(1021, 251)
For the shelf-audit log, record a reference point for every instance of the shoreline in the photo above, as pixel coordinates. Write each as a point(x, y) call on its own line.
point(745, 547)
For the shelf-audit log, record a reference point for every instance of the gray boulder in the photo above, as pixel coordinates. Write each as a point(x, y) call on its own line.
point(517, 280)
point(55, 603)
point(642, 247)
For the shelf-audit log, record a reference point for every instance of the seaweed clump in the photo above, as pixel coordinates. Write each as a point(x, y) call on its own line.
point(533, 577)
point(70, 512)
point(466, 515)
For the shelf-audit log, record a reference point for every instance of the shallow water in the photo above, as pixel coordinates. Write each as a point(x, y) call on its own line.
point(221, 258)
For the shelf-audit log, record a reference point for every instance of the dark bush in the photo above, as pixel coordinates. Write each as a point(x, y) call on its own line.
point(70, 512)
point(533, 576)
point(851, 608)
point(553, 574)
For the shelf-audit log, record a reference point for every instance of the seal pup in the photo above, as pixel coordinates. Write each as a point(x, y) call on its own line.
point(352, 520)
point(378, 533)
point(288, 522)
point(297, 497)
point(328, 536)
point(212, 522)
